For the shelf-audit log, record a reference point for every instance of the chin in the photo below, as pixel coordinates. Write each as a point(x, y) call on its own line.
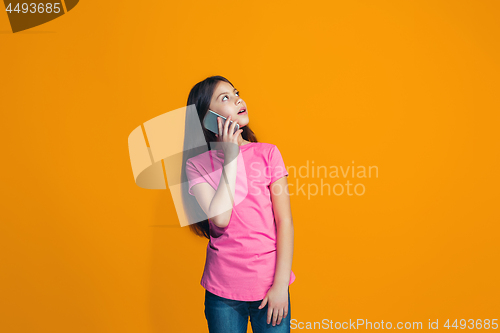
point(243, 124)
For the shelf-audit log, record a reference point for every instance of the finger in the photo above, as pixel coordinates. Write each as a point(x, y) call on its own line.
point(275, 316)
point(285, 313)
point(280, 316)
point(269, 314)
point(233, 125)
point(219, 123)
point(263, 304)
point(226, 125)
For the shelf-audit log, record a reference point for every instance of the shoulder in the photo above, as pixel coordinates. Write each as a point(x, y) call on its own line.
point(199, 156)
point(269, 148)
point(265, 147)
point(269, 151)
point(199, 159)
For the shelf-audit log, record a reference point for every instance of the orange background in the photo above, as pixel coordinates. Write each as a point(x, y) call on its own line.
point(409, 87)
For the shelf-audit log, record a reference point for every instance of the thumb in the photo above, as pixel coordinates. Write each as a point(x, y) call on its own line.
point(264, 302)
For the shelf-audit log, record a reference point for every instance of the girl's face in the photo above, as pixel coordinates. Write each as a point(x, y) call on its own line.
point(227, 102)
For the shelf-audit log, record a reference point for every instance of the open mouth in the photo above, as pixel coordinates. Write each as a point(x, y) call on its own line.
point(242, 111)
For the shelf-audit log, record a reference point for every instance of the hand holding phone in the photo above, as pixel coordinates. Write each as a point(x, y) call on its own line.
point(229, 142)
point(210, 122)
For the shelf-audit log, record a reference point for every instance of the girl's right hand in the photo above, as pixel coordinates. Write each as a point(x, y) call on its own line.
point(228, 138)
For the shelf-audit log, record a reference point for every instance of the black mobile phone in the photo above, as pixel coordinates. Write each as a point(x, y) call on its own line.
point(210, 122)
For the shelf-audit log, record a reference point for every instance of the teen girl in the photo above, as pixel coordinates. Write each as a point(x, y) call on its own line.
point(243, 188)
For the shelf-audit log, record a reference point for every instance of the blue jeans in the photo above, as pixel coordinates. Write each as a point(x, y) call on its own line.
point(230, 316)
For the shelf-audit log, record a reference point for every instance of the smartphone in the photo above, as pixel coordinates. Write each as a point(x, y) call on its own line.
point(210, 122)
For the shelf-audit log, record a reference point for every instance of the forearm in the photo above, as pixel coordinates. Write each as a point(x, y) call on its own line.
point(221, 207)
point(285, 234)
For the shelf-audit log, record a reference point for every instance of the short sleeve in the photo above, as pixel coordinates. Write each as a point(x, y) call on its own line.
point(193, 175)
point(277, 166)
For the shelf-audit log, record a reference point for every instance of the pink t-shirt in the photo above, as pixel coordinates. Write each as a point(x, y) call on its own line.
point(241, 258)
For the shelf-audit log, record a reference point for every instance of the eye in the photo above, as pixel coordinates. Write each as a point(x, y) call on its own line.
point(237, 93)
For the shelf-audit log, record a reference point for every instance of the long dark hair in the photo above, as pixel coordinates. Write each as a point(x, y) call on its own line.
point(200, 96)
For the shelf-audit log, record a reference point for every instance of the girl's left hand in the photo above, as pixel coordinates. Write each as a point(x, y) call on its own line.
point(277, 297)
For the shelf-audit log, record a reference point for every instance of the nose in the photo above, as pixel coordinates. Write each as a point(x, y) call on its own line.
point(238, 101)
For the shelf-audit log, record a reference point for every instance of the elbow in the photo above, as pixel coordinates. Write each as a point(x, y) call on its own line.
point(220, 221)
point(220, 215)
point(285, 223)
point(222, 226)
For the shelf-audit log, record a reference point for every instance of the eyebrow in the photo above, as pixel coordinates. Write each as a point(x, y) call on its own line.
point(225, 93)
